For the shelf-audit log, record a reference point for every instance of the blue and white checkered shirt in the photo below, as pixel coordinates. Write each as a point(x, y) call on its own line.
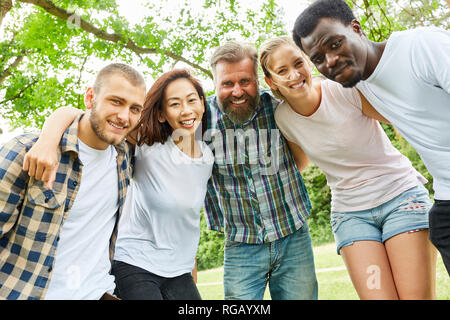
point(31, 216)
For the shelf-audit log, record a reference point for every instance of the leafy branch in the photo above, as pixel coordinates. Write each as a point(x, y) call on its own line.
point(8, 71)
point(54, 10)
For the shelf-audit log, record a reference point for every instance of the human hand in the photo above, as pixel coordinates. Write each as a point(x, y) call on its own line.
point(41, 162)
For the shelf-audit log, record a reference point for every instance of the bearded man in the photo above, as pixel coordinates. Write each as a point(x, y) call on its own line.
point(256, 194)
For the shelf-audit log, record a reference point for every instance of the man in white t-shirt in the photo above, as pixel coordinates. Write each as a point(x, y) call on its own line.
point(56, 243)
point(406, 79)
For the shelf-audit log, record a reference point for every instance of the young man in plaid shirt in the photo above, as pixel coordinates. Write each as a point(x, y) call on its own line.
point(56, 243)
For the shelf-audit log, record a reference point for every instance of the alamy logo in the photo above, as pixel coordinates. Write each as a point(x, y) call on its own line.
point(73, 277)
point(374, 279)
point(241, 147)
point(74, 21)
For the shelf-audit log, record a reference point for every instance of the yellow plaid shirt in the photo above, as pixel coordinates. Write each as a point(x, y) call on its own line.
point(31, 216)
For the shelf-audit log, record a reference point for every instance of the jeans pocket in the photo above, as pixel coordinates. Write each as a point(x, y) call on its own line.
point(415, 201)
point(336, 220)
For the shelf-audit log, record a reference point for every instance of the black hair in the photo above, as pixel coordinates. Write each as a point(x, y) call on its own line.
point(308, 20)
point(150, 129)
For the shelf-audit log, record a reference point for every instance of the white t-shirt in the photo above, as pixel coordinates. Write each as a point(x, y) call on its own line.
point(411, 88)
point(362, 167)
point(159, 228)
point(82, 264)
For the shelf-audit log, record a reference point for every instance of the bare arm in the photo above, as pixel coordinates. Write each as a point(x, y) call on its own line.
point(194, 271)
point(41, 161)
point(370, 111)
point(300, 157)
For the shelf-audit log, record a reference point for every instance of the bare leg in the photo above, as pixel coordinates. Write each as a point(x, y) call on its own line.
point(413, 262)
point(368, 265)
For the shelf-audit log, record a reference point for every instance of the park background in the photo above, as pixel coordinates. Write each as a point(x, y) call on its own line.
point(50, 52)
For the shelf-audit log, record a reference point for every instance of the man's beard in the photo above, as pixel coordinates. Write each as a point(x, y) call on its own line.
point(353, 81)
point(239, 115)
point(95, 122)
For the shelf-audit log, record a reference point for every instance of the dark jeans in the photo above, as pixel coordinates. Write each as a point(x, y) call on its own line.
point(440, 229)
point(134, 283)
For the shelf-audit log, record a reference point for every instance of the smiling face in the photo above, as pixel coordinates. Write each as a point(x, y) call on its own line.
point(237, 89)
point(290, 72)
point(338, 51)
point(182, 107)
point(114, 110)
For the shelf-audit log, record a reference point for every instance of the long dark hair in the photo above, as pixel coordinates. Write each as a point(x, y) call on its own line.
point(150, 130)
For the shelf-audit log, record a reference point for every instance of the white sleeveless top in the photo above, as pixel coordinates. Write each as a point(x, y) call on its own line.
point(362, 167)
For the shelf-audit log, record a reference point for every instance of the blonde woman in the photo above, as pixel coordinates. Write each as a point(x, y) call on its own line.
point(379, 204)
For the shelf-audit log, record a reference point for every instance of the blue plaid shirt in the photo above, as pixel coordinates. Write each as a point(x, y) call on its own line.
point(256, 193)
point(31, 216)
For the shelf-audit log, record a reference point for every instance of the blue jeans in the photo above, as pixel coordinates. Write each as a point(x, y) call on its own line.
point(286, 265)
point(134, 283)
point(406, 212)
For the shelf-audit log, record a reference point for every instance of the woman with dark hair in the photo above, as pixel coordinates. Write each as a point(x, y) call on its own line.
point(159, 228)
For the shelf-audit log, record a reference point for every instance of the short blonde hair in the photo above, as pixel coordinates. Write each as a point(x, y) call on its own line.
point(266, 50)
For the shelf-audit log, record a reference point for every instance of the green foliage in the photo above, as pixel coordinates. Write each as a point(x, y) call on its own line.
point(210, 249)
point(320, 196)
point(380, 18)
point(58, 53)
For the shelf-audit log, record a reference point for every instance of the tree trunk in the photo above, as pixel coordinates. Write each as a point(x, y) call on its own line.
point(5, 6)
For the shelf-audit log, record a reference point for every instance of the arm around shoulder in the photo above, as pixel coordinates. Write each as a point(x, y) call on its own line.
point(369, 110)
point(41, 161)
point(300, 157)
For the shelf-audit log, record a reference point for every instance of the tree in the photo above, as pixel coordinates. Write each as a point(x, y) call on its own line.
point(380, 18)
point(47, 46)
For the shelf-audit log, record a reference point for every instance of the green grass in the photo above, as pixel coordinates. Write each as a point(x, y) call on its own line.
point(334, 284)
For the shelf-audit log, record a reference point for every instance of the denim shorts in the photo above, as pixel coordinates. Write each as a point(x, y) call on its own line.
point(406, 212)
